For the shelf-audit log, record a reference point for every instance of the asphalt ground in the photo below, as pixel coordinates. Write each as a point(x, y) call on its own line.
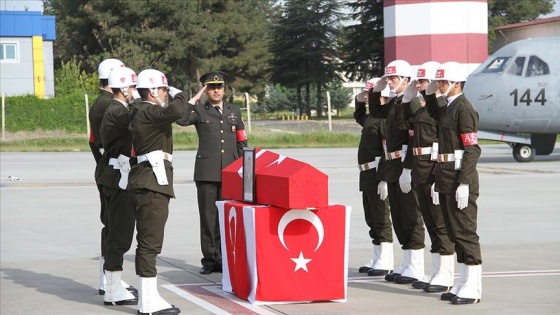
point(50, 240)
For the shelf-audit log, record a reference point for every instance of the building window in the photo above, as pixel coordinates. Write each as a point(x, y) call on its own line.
point(9, 52)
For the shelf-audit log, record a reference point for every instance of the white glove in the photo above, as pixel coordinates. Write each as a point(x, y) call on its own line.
point(462, 196)
point(382, 190)
point(432, 88)
point(410, 92)
point(174, 91)
point(435, 195)
point(135, 94)
point(380, 84)
point(405, 180)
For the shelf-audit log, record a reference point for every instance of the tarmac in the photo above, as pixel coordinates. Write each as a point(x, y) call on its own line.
point(50, 241)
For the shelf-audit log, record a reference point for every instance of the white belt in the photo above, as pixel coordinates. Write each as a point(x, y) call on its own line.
point(394, 155)
point(421, 151)
point(369, 165)
point(442, 158)
point(144, 158)
point(122, 163)
point(158, 167)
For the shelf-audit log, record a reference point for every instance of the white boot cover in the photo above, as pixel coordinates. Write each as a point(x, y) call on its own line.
point(462, 279)
point(373, 258)
point(415, 268)
point(404, 263)
point(472, 288)
point(149, 300)
point(444, 275)
point(385, 259)
point(102, 280)
point(114, 291)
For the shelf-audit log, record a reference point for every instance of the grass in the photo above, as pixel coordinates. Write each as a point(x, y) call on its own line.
point(185, 140)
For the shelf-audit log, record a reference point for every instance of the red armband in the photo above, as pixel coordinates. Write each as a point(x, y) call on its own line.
point(91, 137)
point(469, 138)
point(410, 133)
point(240, 135)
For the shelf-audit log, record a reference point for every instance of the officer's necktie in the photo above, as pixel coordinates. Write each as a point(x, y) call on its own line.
point(218, 109)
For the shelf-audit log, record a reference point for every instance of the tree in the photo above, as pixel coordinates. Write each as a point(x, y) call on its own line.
point(181, 38)
point(304, 46)
point(363, 42)
point(502, 12)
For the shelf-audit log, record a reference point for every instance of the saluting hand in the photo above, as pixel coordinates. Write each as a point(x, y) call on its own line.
point(198, 95)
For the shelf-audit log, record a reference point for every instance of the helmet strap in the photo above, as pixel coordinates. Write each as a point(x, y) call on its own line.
point(156, 96)
point(451, 85)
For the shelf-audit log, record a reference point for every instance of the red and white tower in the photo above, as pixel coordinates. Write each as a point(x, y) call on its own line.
point(440, 30)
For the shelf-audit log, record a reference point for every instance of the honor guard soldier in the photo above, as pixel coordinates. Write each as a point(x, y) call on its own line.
point(115, 166)
point(151, 180)
point(423, 126)
point(95, 117)
point(371, 160)
point(457, 181)
point(221, 139)
point(405, 213)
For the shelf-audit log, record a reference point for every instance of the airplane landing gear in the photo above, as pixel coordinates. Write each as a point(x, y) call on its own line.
point(523, 152)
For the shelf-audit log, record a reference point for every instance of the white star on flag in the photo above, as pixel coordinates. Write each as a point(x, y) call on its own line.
point(301, 262)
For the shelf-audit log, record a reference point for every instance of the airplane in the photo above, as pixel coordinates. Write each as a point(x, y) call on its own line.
point(516, 93)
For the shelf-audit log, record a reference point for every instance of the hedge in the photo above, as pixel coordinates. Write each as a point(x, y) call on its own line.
point(61, 113)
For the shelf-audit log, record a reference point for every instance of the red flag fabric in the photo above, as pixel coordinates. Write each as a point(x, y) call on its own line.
point(277, 255)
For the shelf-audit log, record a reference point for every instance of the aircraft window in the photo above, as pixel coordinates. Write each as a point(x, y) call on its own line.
point(497, 65)
point(536, 67)
point(517, 67)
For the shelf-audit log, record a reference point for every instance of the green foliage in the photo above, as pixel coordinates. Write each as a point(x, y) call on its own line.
point(69, 79)
point(29, 113)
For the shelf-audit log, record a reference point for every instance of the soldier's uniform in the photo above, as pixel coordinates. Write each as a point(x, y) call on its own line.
point(151, 131)
point(96, 113)
point(117, 160)
point(221, 141)
point(371, 161)
point(423, 127)
point(458, 128)
point(407, 220)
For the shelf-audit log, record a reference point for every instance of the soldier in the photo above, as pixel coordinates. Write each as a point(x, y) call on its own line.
point(95, 117)
point(151, 180)
point(457, 181)
point(221, 139)
point(117, 142)
point(423, 127)
point(405, 213)
point(371, 160)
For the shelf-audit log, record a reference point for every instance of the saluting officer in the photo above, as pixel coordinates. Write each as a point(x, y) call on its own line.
point(151, 180)
point(95, 117)
point(423, 126)
point(407, 221)
point(117, 142)
point(371, 161)
point(221, 139)
point(457, 181)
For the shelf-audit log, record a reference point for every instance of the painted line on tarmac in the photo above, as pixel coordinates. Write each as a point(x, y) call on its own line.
point(215, 300)
point(490, 274)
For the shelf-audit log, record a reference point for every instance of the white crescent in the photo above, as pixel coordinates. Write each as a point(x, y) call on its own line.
point(232, 216)
point(306, 215)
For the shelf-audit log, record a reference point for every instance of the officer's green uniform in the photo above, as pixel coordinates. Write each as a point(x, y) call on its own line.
point(96, 113)
point(376, 211)
point(407, 220)
point(117, 141)
point(151, 131)
point(459, 119)
point(221, 139)
point(423, 127)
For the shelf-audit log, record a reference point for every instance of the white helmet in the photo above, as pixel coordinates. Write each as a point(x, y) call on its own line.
point(427, 70)
point(106, 66)
point(400, 68)
point(451, 71)
point(122, 78)
point(151, 78)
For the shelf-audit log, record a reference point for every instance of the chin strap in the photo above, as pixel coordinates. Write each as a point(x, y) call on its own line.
point(156, 96)
point(451, 84)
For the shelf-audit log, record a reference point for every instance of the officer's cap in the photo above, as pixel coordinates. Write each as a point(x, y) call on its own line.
point(213, 78)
